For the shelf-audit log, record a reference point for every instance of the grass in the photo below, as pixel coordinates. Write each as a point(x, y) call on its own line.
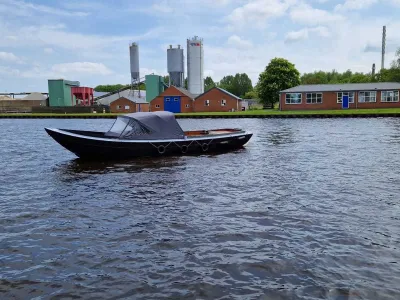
point(257, 112)
point(267, 112)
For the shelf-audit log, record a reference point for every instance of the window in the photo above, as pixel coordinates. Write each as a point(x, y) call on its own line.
point(341, 94)
point(127, 107)
point(367, 96)
point(166, 99)
point(187, 105)
point(223, 102)
point(293, 98)
point(175, 99)
point(119, 106)
point(207, 103)
point(157, 105)
point(314, 98)
point(390, 96)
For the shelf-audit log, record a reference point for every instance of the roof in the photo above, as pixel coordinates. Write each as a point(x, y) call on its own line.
point(223, 91)
point(185, 92)
point(157, 125)
point(343, 87)
point(35, 96)
point(132, 95)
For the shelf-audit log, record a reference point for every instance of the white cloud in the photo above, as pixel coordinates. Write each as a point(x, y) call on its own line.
point(295, 36)
point(258, 12)
point(305, 14)
point(9, 57)
point(238, 42)
point(48, 50)
point(81, 68)
point(22, 8)
point(355, 5)
point(11, 38)
point(304, 34)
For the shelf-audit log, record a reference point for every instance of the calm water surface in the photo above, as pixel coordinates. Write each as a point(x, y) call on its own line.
point(308, 210)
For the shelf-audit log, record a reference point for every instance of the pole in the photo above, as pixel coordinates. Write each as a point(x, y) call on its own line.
point(383, 47)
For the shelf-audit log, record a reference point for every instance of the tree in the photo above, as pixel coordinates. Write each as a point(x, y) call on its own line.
point(241, 84)
point(278, 75)
point(110, 88)
point(251, 95)
point(238, 85)
point(208, 83)
point(166, 79)
point(226, 83)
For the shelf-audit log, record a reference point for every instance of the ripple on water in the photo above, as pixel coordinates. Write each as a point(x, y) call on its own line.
point(308, 210)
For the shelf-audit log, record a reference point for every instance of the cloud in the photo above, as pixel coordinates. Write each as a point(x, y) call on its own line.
point(9, 57)
point(295, 36)
point(48, 50)
point(304, 34)
point(355, 5)
point(22, 8)
point(258, 12)
point(81, 68)
point(305, 14)
point(162, 7)
point(238, 42)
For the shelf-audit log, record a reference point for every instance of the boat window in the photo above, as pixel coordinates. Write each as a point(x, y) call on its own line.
point(134, 128)
point(119, 125)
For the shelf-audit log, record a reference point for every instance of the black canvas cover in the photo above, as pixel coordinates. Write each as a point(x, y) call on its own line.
point(146, 125)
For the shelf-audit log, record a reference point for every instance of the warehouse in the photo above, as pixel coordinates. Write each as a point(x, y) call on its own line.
point(341, 96)
point(129, 105)
point(217, 100)
point(173, 99)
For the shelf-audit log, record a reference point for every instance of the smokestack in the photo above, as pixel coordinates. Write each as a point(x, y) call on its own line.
point(373, 70)
point(383, 47)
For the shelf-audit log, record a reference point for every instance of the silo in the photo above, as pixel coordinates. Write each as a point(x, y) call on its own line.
point(175, 66)
point(134, 62)
point(195, 65)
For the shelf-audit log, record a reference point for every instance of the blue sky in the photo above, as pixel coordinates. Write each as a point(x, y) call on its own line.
point(89, 41)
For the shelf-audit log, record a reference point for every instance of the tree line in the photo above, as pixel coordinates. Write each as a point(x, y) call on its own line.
point(281, 74)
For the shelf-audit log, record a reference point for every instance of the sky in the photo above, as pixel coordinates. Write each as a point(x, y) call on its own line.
point(88, 40)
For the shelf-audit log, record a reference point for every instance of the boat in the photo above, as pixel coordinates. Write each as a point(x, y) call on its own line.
point(147, 134)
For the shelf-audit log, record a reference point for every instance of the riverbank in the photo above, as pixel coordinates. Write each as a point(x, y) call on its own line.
point(270, 113)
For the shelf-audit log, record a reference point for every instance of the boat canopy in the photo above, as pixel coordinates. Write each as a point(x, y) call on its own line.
point(146, 125)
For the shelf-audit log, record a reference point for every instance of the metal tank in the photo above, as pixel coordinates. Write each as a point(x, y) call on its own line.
point(134, 62)
point(175, 66)
point(195, 65)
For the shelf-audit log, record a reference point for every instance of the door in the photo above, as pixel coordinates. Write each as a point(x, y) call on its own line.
point(345, 102)
point(172, 104)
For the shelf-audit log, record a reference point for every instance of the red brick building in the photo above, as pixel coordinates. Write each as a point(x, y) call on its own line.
point(217, 100)
point(125, 105)
point(173, 99)
point(331, 96)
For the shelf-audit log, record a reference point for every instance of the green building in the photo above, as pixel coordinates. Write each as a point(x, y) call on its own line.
point(154, 86)
point(60, 92)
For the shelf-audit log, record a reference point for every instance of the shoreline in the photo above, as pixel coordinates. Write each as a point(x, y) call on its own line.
point(365, 113)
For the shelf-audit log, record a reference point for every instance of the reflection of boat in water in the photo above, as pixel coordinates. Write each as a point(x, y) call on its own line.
point(147, 134)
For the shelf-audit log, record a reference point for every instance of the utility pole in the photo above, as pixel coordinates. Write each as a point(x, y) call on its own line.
point(383, 47)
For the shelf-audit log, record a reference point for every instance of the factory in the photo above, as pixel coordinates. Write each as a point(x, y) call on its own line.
point(180, 94)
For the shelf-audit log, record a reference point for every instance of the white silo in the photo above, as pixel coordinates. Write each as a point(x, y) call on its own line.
point(175, 66)
point(134, 62)
point(195, 65)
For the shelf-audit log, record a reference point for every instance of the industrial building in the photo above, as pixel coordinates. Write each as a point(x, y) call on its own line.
point(173, 99)
point(217, 100)
point(341, 96)
point(125, 101)
point(25, 104)
point(64, 93)
point(195, 65)
point(176, 66)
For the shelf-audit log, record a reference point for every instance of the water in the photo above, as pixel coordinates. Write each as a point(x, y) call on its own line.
point(308, 210)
